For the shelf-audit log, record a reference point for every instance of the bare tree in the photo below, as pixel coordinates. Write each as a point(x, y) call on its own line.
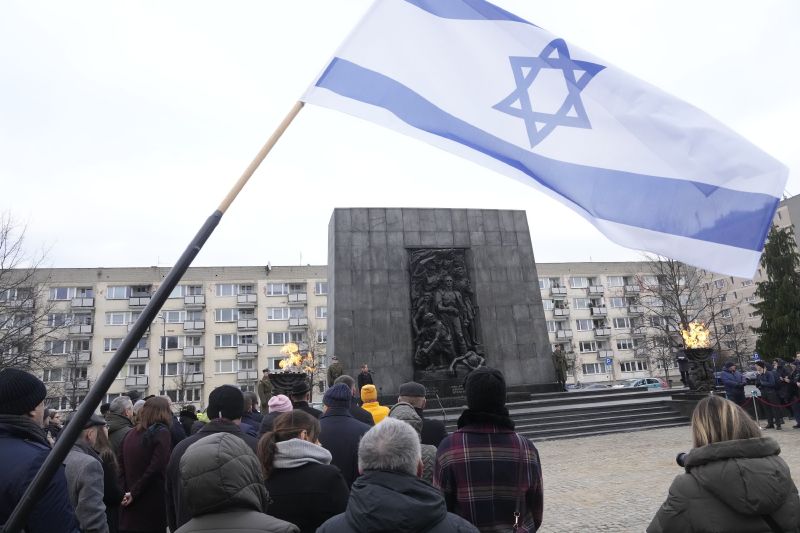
point(26, 311)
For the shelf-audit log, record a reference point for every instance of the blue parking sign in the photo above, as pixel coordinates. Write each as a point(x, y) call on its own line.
point(756, 356)
point(609, 361)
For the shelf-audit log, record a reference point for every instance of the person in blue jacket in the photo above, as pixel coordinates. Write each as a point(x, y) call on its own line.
point(733, 381)
point(23, 449)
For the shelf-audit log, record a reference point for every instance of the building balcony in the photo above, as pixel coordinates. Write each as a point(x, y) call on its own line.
point(80, 384)
point(138, 382)
point(194, 301)
point(79, 358)
point(247, 300)
point(83, 303)
point(632, 289)
point(247, 324)
point(595, 289)
point(299, 322)
point(599, 311)
point(298, 298)
point(247, 350)
point(138, 301)
point(194, 325)
point(80, 329)
point(638, 332)
point(196, 377)
point(564, 334)
point(604, 353)
point(140, 353)
point(635, 310)
point(560, 314)
point(247, 375)
point(194, 352)
point(602, 332)
point(558, 292)
point(23, 331)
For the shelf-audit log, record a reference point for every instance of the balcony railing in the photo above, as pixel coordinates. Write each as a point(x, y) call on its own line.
point(197, 377)
point(194, 352)
point(248, 300)
point(602, 332)
point(558, 291)
point(638, 332)
point(80, 329)
point(247, 324)
point(83, 302)
point(599, 311)
point(194, 301)
point(632, 289)
point(564, 334)
point(595, 289)
point(136, 381)
point(247, 375)
point(140, 353)
point(247, 350)
point(194, 325)
point(80, 384)
point(604, 353)
point(298, 298)
point(79, 358)
point(299, 322)
point(635, 310)
point(139, 301)
point(560, 314)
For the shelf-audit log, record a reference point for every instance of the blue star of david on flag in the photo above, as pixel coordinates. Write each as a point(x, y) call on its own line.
point(571, 113)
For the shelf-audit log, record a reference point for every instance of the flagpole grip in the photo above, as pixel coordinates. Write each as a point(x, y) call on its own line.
point(259, 158)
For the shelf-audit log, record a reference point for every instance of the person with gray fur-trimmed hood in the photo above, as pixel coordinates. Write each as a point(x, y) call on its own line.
point(405, 412)
point(84, 472)
point(389, 496)
point(220, 477)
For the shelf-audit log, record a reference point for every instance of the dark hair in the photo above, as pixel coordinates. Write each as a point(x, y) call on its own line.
point(286, 426)
point(761, 364)
point(155, 410)
point(347, 380)
point(104, 408)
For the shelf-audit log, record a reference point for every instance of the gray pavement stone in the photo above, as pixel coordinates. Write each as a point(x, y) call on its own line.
point(617, 482)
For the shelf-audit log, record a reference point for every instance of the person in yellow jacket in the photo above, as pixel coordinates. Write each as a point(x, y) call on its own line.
point(369, 395)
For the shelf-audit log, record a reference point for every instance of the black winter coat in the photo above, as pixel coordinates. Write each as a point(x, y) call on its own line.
point(177, 511)
point(340, 435)
point(391, 501)
point(433, 431)
point(303, 406)
point(361, 414)
point(307, 495)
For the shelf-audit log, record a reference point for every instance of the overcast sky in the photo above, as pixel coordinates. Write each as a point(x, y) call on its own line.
point(124, 124)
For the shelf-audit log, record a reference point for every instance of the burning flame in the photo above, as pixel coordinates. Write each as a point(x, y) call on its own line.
point(696, 336)
point(295, 361)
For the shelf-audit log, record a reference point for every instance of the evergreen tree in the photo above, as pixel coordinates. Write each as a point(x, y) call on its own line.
point(779, 308)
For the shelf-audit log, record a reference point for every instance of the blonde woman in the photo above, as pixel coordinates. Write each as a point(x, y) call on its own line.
point(734, 479)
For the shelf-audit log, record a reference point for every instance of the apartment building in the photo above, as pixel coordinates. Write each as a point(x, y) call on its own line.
point(220, 325)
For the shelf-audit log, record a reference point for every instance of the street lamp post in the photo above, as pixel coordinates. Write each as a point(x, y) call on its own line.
point(163, 318)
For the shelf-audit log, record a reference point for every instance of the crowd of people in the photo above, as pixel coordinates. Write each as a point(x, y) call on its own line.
point(355, 466)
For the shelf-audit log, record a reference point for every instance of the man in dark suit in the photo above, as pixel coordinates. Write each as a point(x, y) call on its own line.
point(433, 431)
point(358, 412)
point(340, 432)
point(364, 378)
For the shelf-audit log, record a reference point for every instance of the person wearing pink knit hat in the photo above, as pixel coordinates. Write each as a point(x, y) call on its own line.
point(278, 404)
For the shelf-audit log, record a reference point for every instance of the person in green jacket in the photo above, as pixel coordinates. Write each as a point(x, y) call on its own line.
point(264, 389)
point(734, 479)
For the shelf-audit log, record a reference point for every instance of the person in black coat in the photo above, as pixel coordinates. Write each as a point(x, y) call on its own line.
point(276, 405)
point(341, 432)
point(304, 488)
point(433, 431)
point(364, 378)
point(300, 396)
point(225, 406)
point(188, 416)
point(358, 412)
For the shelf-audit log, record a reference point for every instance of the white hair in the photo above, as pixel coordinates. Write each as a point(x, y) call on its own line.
point(391, 445)
point(120, 404)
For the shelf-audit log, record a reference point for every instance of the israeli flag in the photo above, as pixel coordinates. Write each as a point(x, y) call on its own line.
point(649, 171)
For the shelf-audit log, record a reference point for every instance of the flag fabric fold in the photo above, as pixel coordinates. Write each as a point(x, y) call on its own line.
point(649, 171)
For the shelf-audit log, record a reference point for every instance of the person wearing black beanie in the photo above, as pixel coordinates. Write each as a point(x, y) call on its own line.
point(485, 456)
point(23, 448)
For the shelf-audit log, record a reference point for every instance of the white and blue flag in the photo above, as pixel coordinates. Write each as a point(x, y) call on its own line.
point(649, 171)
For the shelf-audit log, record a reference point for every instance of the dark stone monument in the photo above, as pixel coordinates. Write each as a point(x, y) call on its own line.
point(431, 294)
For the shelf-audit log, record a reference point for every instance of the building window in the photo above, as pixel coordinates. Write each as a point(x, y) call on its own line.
point(578, 282)
point(226, 289)
point(747, 282)
point(622, 323)
point(544, 283)
point(321, 311)
point(56, 347)
point(719, 283)
point(172, 369)
point(615, 281)
point(277, 313)
point(552, 326)
point(225, 366)
point(247, 339)
point(322, 336)
point(297, 312)
point(633, 366)
point(277, 289)
point(226, 315)
point(174, 317)
point(172, 342)
point(321, 287)
point(137, 370)
point(587, 346)
point(225, 341)
point(594, 368)
point(297, 337)
point(118, 293)
point(727, 328)
point(725, 313)
point(178, 292)
point(246, 288)
point(52, 375)
point(584, 324)
point(247, 364)
point(625, 344)
point(111, 345)
point(57, 320)
point(547, 304)
point(581, 303)
point(616, 302)
point(62, 293)
point(277, 338)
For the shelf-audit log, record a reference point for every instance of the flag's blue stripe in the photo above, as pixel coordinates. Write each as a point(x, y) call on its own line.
point(465, 10)
point(667, 205)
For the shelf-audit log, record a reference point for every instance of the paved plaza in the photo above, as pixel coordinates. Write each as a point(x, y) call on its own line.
point(617, 482)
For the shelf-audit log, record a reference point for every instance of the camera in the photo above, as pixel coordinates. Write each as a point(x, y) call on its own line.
point(681, 459)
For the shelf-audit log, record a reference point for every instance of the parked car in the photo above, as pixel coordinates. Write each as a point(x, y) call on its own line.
point(587, 386)
point(650, 383)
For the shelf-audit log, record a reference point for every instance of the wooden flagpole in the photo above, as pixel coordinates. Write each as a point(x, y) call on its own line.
point(16, 522)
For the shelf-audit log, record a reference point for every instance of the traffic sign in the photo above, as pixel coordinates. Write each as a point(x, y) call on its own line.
point(756, 356)
point(609, 361)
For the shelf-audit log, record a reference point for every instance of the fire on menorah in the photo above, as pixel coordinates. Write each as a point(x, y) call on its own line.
point(297, 369)
point(698, 353)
